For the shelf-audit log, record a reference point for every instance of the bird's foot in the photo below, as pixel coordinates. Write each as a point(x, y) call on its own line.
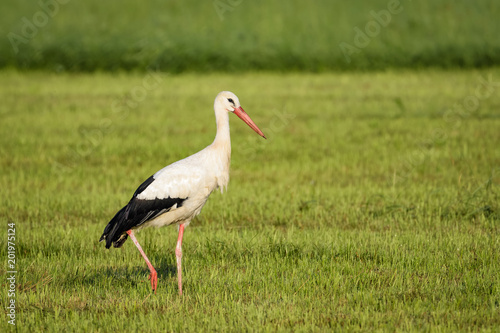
point(153, 277)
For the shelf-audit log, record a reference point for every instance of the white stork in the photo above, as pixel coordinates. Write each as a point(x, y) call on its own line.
point(177, 193)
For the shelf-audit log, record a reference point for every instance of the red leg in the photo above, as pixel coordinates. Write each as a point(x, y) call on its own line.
point(178, 254)
point(153, 276)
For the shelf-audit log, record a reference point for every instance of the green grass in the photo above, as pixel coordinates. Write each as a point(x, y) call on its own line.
point(369, 208)
point(190, 35)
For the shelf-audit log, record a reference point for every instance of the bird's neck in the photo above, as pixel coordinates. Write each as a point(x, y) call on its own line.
point(222, 148)
point(223, 138)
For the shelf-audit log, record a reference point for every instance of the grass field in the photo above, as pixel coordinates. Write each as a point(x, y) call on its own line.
point(373, 205)
point(238, 35)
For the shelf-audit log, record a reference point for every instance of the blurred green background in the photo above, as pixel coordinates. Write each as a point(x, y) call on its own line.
point(243, 35)
point(374, 205)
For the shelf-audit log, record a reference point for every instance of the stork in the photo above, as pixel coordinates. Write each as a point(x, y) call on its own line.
point(177, 193)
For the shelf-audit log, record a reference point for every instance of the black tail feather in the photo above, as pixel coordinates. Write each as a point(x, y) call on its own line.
point(120, 241)
point(134, 214)
point(112, 233)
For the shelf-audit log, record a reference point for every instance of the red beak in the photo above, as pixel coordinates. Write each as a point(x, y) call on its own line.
point(246, 118)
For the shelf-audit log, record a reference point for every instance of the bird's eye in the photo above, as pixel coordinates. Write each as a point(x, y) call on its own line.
point(230, 100)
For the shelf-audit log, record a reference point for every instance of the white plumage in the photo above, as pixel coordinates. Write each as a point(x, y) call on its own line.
point(178, 192)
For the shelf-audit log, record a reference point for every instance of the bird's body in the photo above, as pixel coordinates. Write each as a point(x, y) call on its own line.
point(178, 192)
point(175, 194)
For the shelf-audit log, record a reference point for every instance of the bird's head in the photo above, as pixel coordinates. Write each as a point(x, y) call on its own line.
point(230, 102)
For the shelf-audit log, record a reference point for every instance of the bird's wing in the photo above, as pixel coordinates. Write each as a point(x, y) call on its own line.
point(178, 180)
point(165, 191)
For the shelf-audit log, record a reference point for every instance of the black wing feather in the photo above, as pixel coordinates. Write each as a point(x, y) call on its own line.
point(144, 186)
point(135, 213)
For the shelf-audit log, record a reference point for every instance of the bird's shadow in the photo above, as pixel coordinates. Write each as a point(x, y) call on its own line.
point(164, 267)
point(134, 276)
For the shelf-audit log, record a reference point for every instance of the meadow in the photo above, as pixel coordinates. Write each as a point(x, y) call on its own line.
point(372, 206)
point(238, 35)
